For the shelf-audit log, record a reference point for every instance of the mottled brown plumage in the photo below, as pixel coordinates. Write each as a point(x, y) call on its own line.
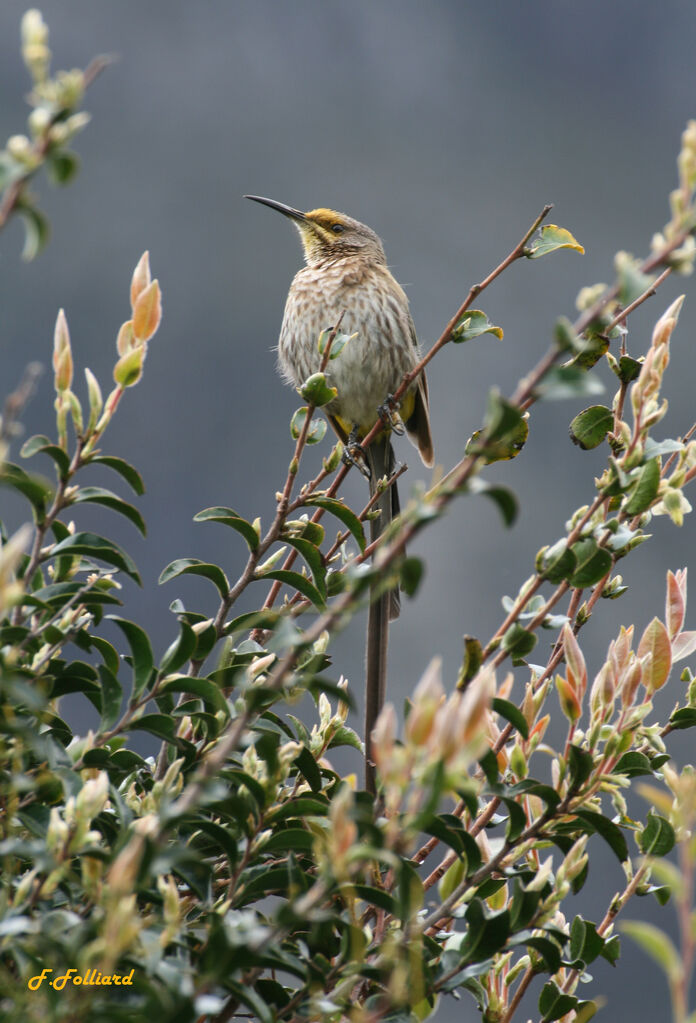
point(346, 273)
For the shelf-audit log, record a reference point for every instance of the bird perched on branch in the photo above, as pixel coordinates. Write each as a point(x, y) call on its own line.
point(346, 273)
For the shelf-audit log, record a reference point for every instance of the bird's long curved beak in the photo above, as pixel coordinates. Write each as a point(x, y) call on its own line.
point(287, 211)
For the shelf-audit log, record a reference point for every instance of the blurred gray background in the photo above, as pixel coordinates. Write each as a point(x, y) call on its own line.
point(446, 126)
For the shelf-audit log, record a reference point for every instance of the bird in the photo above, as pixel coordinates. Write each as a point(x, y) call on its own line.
point(346, 275)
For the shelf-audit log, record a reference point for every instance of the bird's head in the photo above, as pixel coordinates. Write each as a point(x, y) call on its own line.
point(327, 234)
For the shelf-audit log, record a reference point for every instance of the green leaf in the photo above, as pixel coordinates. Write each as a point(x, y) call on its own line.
point(62, 166)
point(645, 489)
point(39, 443)
point(610, 832)
point(312, 555)
point(547, 949)
point(473, 324)
point(684, 718)
point(632, 281)
point(517, 820)
point(377, 897)
point(343, 513)
point(98, 495)
point(317, 427)
point(512, 714)
point(249, 997)
point(123, 468)
point(590, 349)
point(309, 768)
point(553, 1004)
point(633, 764)
point(297, 582)
point(36, 490)
point(550, 239)
point(503, 420)
point(316, 391)
point(580, 766)
point(626, 369)
point(98, 547)
point(56, 594)
point(181, 650)
point(297, 840)
point(337, 345)
point(502, 497)
point(563, 382)
point(108, 653)
point(592, 563)
point(518, 641)
point(471, 661)
point(411, 575)
point(556, 563)
point(589, 428)
point(192, 566)
point(585, 943)
point(228, 517)
point(36, 231)
point(298, 808)
point(111, 696)
point(657, 837)
point(161, 725)
point(487, 932)
point(141, 652)
point(201, 687)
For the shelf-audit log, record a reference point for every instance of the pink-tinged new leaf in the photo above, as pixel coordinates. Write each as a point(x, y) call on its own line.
point(683, 645)
point(147, 312)
point(125, 339)
point(141, 278)
point(630, 681)
point(655, 641)
point(675, 606)
point(575, 662)
point(570, 704)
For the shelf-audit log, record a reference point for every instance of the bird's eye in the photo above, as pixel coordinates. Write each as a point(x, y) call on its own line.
point(337, 228)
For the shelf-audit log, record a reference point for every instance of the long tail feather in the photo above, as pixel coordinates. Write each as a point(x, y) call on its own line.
point(383, 608)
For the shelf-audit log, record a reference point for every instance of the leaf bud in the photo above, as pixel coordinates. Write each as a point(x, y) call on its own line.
point(20, 148)
point(125, 339)
point(35, 51)
point(96, 402)
point(62, 354)
point(39, 121)
point(141, 278)
point(129, 368)
point(570, 704)
point(70, 88)
point(147, 312)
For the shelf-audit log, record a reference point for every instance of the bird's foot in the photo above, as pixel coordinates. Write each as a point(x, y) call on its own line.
point(388, 412)
point(354, 454)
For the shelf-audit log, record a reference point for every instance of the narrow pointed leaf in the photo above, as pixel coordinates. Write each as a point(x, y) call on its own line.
point(297, 582)
point(141, 653)
point(192, 566)
point(97, 547)
point(342, 512)
point(39, 443)
point(123, 468)
point(228, 517)
point(98, 495)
